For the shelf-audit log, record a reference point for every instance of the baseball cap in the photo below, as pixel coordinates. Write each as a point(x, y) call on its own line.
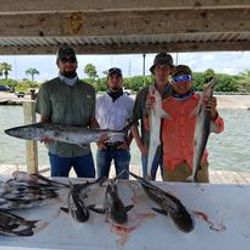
point(112, 71)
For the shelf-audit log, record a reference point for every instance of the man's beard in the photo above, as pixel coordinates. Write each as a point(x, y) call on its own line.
point(71, 74)
point(115, 89)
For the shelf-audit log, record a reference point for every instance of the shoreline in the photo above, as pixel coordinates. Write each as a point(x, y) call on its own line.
point(223, 101)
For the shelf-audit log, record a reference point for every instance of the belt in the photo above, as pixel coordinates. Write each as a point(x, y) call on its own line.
point(114, 145)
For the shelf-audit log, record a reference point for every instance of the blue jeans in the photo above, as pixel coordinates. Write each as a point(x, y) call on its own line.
point(83, 165)
point(156, 162)
point(121, 159)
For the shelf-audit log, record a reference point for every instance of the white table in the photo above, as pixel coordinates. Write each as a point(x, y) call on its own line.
point(225, 207)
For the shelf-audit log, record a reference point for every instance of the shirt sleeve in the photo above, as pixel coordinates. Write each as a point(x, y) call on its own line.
point(43, 103)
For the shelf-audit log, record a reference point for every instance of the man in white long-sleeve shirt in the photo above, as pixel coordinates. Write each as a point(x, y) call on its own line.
point(113, 110)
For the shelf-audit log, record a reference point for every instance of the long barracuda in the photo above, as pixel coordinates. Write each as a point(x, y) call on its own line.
point(202, 130)
point(169, 205)
point(67, 134)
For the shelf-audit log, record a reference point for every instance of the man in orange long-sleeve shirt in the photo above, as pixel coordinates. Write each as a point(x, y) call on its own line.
point(178, 132)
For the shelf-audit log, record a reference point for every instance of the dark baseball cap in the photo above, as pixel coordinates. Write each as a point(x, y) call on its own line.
point(182, 70)
point(112, 71)
point(162, 59)
point(65, 51)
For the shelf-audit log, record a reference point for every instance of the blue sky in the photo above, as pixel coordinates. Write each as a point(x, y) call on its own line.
point(222, 62)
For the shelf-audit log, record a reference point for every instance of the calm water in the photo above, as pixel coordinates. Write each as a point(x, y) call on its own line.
point(229, 150)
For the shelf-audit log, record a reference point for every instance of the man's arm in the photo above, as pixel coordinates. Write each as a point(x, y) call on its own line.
point(135, 132)
point(93, 123)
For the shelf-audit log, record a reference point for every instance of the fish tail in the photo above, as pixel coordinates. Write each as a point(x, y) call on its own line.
point(127, 127)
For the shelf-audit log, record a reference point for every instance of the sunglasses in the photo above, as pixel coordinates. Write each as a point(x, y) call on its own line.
point(182, 78)
point(68, 60)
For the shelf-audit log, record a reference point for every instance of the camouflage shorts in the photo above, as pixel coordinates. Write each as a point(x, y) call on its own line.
point(182, 171)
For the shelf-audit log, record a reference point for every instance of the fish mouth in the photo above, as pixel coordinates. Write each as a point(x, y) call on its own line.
point(9, 132)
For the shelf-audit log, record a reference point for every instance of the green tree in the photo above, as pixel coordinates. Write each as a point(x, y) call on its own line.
point(244, 81)
point(198, 81)
point(5, 68)
point(26, 85)
point(137, 82)
point(32, 72)
point(226, 83)
point(90, 71)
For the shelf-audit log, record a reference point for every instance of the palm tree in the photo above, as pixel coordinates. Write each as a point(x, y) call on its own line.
point(32, 72)
point(5, 68)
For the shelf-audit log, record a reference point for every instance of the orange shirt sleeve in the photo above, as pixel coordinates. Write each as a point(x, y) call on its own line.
point(218, 125)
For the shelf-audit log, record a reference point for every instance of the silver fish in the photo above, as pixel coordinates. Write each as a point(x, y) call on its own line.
point(156, 113)
point(68, 134)
point(113, 207)
point(203, 128)
point(37, 179)
point(13, 225)
point(169, 204)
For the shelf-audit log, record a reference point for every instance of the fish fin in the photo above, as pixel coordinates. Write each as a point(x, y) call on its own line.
point(99, 210)
point(130, 122)
point(65, 209)
point(159, 211)
point(91, 206)
point(128, 208)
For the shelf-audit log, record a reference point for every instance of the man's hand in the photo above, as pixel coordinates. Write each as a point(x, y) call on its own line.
point(46, 140)
point(101, 143)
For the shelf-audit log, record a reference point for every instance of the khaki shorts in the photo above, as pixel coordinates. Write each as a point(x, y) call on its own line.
point(182, 171)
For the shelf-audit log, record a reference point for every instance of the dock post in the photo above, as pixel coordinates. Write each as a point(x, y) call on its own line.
point(31, 146)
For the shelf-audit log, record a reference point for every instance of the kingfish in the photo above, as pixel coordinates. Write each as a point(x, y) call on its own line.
point(68, 134)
